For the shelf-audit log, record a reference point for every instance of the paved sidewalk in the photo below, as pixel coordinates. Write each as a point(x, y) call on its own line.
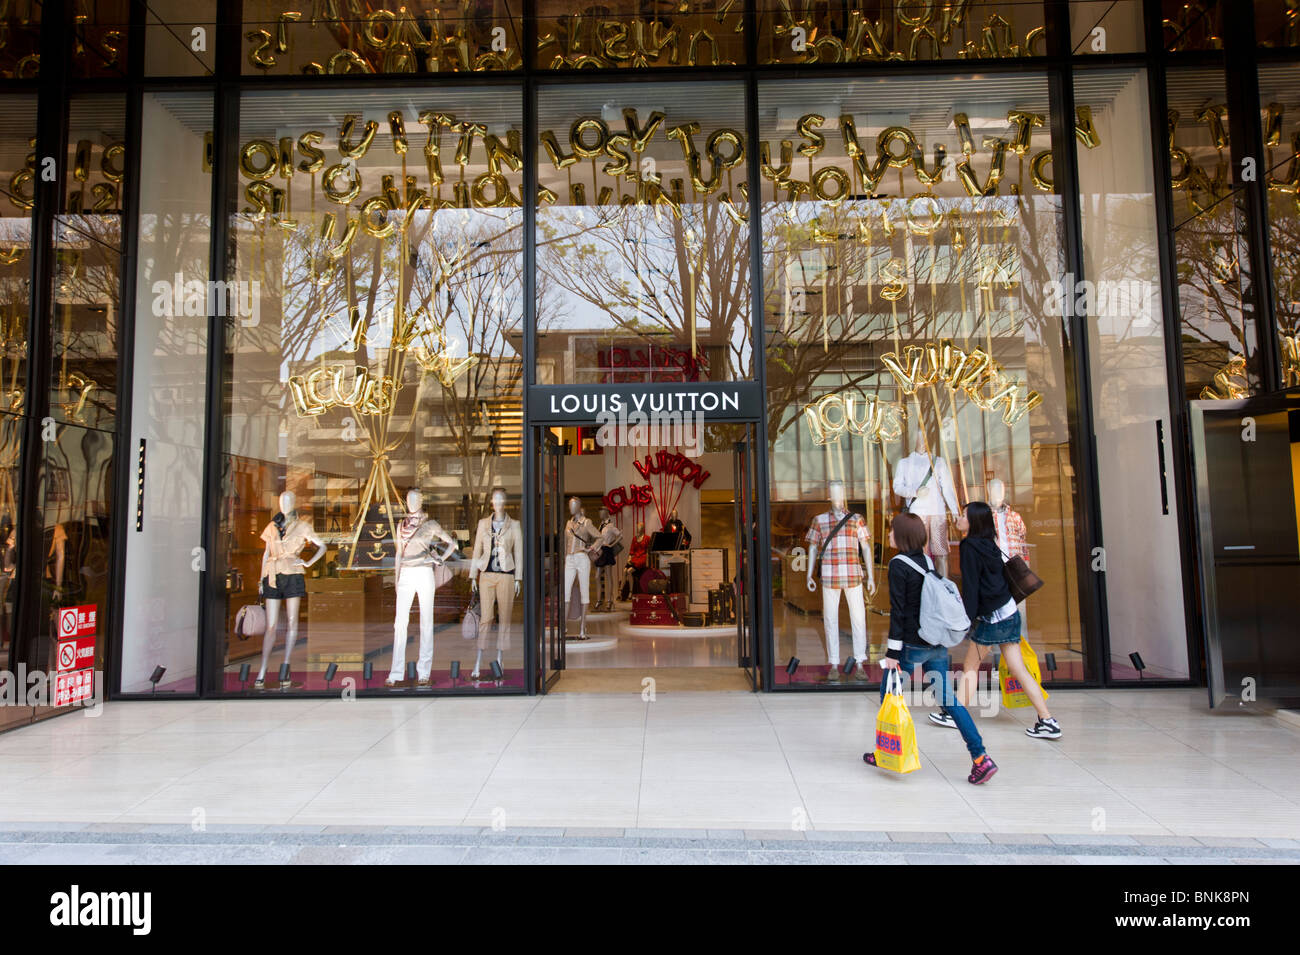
point(1131, 763)
point(111, 844)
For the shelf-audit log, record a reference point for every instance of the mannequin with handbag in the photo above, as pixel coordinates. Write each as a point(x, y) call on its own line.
point(283, 578)
point(420, 571)
point(839, 545)
point(497, 570)
point(580, 537)
point(924, 482)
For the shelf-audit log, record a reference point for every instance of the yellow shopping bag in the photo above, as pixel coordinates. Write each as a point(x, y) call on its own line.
point(895, 735)
point(1013, 694)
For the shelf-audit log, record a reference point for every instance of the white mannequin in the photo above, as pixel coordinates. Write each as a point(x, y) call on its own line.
point(293, 605)
point(1001, 510)
point(609, 536)
point(417, 531)
point(852, 594)
point(499, 513)
point(579, 535)
point(933, 500)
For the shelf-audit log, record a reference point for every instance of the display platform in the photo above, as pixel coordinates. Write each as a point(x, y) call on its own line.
point(573, 645)
point(676, 631)
point(606, 616)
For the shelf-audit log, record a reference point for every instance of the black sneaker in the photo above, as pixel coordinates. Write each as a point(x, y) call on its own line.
point(1045, 729)
point(943, 718)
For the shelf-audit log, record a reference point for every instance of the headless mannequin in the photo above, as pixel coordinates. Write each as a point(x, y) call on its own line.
point(998, 501)
point(932, 501)
point(631, 570)
point(579, 535)
point(292, 605)
point(609, 533)
point(415, 516)
point(498, 513)
point(852, 596)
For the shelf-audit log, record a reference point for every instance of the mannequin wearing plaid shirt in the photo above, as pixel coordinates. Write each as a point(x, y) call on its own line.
point(841, 571)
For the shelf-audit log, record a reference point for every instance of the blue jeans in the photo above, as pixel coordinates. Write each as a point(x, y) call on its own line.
point(933, 662)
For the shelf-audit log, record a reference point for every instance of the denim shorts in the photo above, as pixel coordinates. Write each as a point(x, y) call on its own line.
point(993, 634)
point(286, 586)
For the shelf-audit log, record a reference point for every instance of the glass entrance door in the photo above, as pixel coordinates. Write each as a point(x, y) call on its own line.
point(548, 557)
point(746, 566)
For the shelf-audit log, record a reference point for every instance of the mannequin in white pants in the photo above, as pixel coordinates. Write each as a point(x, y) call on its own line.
point(580, 535)
point(283, 577)
point(842, 572)
point(416, 558)
point(924, 481)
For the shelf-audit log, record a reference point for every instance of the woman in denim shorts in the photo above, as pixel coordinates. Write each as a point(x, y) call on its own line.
point(995, 618)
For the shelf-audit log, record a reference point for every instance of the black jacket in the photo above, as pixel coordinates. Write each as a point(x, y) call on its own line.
point(905, 605)
point(983, 586)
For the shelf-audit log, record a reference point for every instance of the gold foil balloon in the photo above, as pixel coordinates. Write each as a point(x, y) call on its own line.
point(641, 135)
point(374, 217)
point(314, 160)
point(580, 140)
point(284, 157)
point(906, 141)
point(831, 174)
point(1025, 123)
point(893, 285)
point(333, 192)
point(249, 155)
point(928, 226)
point(81, 161)
point(962, 122)
point(552, 147)
point(1273, 125)
point(1038, 170)
point(1084, 129)
point(358, 149)
point(807, 128)
point(1213, 116)
point(776, 174)
point(111, 163)
point(397, 128)
point(730, 138)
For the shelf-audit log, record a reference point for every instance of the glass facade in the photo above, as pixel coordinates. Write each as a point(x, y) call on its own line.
point(322, 329)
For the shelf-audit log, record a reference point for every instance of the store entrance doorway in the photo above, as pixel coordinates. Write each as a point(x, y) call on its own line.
point(671, 605)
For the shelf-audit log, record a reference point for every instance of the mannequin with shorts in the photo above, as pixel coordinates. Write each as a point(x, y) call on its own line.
point(284, 578)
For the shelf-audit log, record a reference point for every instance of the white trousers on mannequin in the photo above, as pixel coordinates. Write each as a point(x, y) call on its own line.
point(857, 620)
point(579, 565)
point(412, 582)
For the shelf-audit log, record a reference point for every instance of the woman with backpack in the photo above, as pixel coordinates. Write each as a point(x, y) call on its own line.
point(907, 650)
point(994, 617)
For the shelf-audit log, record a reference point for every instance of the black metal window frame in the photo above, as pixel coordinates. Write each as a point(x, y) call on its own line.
point(55, 87)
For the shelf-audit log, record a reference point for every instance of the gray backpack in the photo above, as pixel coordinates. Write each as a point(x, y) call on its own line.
point(943, 615)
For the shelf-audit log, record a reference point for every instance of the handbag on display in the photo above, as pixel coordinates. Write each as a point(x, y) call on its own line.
point(470, 624)
point(1021, 581)
point(441, 574)
point(250, 621)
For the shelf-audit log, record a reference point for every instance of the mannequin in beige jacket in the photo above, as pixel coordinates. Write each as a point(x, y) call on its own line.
point(497, 573)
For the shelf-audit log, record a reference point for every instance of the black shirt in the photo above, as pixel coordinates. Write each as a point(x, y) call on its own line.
point(983, 586)
point(905, 604)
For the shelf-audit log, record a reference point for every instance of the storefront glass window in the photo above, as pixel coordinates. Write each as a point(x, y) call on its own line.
point(1279, 98)
point(374, 350)
point(20, 57)
point(1120, 295)
point(179, 37)
point(1277, 23)
point(1192, 25)
point(829, 33)
point(1220, 347)
point(642, 236)
point(338, 37)
point(98, 38)
point(1107, 26)
point(17, 171)
point(168, 399)
point(628, 35)
point(911, 246)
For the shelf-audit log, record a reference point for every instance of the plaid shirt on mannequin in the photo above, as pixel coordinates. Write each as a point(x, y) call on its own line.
point(841, 557)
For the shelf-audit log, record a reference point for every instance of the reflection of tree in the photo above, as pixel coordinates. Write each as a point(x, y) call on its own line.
point(654, 274)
